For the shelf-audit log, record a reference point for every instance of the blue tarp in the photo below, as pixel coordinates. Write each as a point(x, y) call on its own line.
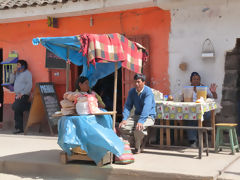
point(60, 45)
point(92, 133)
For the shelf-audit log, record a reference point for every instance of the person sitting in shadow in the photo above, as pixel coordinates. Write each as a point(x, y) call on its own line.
point(82, 85)
point(195, 80)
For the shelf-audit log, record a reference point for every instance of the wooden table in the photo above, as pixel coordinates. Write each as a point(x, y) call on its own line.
point(178, 111)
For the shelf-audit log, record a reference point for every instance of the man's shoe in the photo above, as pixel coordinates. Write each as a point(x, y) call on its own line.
point(194, 145)
point(18, 131)
point(137, 151)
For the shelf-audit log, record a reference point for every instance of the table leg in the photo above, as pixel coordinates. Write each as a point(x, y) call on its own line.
point(200, 143)
point(161, 130)
point(206, 136)
point(181, 132)
point(175, 133)
point(200, 138)
point(213, 128)
point(199, 123)
point(168, 133)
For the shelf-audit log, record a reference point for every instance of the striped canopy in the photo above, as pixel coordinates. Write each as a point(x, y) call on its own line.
point(92, 51)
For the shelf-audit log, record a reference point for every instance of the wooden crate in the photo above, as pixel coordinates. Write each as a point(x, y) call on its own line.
point(66, 158)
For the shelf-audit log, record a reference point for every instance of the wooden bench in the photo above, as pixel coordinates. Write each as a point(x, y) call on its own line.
point(200, 130)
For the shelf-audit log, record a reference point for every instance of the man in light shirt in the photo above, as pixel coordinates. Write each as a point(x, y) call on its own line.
point(22, 80)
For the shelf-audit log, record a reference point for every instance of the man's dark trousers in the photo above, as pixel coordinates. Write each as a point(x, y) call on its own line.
point(19, 106)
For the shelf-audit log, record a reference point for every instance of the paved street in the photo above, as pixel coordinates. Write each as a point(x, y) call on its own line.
point(37, 157)
point(15, 177)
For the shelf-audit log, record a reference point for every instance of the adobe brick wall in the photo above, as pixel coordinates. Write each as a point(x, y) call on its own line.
point(231, 88)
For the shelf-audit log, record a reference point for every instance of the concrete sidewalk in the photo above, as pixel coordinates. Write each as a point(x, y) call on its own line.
point(38, 157)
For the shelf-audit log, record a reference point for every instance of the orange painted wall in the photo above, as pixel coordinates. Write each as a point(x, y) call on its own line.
point(148, 21)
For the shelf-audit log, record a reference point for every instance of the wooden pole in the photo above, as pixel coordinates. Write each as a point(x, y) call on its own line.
point(213, 128)
point(115, 94)
point(67, 71)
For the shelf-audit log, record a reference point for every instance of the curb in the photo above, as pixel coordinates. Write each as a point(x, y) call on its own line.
point(71, 171)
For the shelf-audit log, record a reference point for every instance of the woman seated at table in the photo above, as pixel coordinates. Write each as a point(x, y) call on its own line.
point(195, 80)
point(82, 85)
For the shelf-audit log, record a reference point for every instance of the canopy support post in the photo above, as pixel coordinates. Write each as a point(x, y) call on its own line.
point(67, 71)
point(115, 94)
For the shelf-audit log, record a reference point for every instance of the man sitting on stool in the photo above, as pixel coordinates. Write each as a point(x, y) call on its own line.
point(142, 98)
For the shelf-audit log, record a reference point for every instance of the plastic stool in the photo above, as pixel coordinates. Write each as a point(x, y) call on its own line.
point(232, 137)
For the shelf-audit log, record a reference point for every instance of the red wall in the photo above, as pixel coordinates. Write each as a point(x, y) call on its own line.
point(153, 22)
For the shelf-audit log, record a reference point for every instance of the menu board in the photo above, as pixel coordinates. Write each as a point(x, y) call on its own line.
point(44, 105)
point(54, 62)
point(50, 101)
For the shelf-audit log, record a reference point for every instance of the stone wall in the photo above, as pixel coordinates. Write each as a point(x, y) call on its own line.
point(8, 117)
point(231, 87)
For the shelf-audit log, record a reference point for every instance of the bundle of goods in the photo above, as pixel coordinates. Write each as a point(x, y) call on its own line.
point(158, 96)
point(68, 107)
point(71, 96)
point(80, 103)
point(87, 104)
point(68, 103)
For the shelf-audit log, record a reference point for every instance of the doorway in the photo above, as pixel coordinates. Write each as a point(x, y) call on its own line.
point(1, 88)
point(105, 88)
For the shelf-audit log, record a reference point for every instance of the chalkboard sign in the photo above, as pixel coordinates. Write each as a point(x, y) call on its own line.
point(54, 62)
point(45, 104)
point(50, 101)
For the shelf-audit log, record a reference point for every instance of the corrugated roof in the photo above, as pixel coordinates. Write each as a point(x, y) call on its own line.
point(6, 4)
